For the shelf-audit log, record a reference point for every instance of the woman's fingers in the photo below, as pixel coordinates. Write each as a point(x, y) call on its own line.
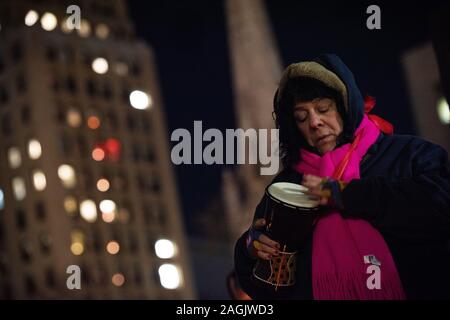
point(264, 251)
point(265, 240)
point(311, 180)
point(263, 246)
point(324, 201)
point(264, 255)
point(314, 185)
point(262, 238)
point(259, 223)
point(266, 248)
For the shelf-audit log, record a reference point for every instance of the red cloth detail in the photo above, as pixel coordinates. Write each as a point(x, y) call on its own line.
point(383, 125)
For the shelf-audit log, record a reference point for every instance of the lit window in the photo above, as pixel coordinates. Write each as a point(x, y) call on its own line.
point(73, 118)
point(65, 26)
point(100, 65)
point(77, 245)
point(70, 205)
point(103, 185)
point(118, 279)
point(39, 180)
point(113, 247)
point(68, 25)
point(107, 206)
point(170, 276)
point(14, 157)
point(108, 209)
point(2, 199)
point(34, 149)
point(140, 100)
point(98, 154)
point(77, 248)
point(88, 210)
point(18, 186)
point(31, 18)
point(102, 31)
point(112, 149)
point(108, 217)
point(67, 175)
point(48, 21)
point(93, 122)
point(165, 249)
point(443, 111)
point(85, 28)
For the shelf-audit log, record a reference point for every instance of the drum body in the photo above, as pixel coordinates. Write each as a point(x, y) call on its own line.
point(290, 217)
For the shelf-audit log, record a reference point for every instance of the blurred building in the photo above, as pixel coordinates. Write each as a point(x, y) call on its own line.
point(431, 110)
point(439, 18)
point(210, 250)
point(256, 69)
point(86, 177)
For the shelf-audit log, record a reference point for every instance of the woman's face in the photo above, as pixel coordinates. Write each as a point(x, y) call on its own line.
point(319, 122)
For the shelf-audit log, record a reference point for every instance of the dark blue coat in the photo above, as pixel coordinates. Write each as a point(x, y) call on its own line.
point(404, 192)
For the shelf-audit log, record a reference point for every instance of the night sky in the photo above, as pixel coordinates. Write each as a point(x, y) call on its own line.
point(190, 44)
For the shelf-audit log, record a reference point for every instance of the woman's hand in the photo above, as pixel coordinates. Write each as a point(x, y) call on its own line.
point(328, 190)
point(258, 244)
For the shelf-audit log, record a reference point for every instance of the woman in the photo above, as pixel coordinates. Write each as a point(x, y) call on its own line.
point(386, 197)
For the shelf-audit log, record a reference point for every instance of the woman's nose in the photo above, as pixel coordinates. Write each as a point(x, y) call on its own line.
point(315, 120)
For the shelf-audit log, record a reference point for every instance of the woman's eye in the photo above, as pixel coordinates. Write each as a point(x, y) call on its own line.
point(324, 109)
point(300, 118)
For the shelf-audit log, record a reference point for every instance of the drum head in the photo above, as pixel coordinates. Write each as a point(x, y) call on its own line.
point(292, 194)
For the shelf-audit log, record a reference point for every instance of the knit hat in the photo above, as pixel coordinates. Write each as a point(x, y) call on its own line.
point(312, 69)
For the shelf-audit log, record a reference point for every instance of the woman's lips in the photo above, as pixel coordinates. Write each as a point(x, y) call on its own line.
point(325, 139)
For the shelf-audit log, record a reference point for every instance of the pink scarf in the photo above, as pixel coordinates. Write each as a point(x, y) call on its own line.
point(339, 270)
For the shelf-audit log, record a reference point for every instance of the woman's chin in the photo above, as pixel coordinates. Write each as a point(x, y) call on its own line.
point(324, 148)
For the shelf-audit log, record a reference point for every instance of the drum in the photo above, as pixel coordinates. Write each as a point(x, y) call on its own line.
point(290, 217)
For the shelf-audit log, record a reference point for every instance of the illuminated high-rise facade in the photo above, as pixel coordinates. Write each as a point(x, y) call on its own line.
point(86, 177)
